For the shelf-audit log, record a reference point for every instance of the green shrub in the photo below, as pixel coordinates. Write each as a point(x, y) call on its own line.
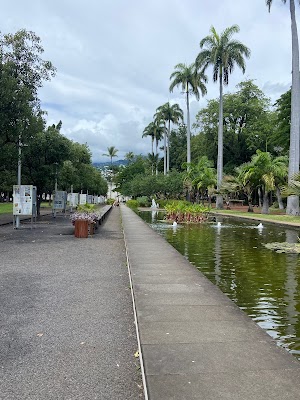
point(132, 203)
point(143, 201)
point(110, 201)
point(165, 202)
point(86, 207)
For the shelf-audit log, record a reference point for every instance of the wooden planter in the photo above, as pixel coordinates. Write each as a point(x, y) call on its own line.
point(81, 228)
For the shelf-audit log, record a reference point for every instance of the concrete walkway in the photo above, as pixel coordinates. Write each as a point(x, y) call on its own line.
point(67, 327)
point(196, 344)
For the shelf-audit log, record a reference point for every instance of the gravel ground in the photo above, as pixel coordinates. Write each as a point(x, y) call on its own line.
point(66, 321)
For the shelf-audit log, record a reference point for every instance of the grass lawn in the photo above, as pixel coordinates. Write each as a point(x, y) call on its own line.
point(261, 217)
point(6, 208)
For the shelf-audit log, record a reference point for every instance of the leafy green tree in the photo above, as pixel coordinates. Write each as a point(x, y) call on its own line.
point(170, 114)
point(281, 138)
point(178, 148)
point(293, 201)
point(22, 73)
point(126, 175)
point(45, 153)
point(263, 171)
point(192, 82)
point(200, 178)
point(222, 53)
point(248, 126)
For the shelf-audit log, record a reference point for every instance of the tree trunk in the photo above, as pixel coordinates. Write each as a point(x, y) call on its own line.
point(265, 208)
point(165, 152)
point(279, 199)
point(293, 201)
point(168, 148)
point(260, 201)
point(156, 161)
point(219, 200)
point(38, 203)
point(188, 133)
point(250, 205)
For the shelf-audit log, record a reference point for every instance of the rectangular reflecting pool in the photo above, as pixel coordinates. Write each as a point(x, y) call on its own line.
point(231, 254)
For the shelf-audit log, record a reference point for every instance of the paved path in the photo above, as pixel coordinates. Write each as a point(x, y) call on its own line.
point(67, 328)
point(7, 218)
point(196, 344)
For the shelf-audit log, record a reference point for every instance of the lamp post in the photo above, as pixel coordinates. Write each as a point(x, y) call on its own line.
point(19, 175)
point(55, 190)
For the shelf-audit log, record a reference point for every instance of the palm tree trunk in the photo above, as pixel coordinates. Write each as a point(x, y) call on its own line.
point(165, 151)
point(259, 191)
point(293, 201)
point(188, 133)
point(279, 198)
point(219, 200)
point(265, 208)
point(168, 148)
point(156, 167)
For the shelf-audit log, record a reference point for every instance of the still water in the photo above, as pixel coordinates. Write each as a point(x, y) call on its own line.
point(230, 253)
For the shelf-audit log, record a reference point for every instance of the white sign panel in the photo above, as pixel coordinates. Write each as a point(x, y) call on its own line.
point(59, 202)
point(82, 198)
point(73, 199)
point(89, 199)
point(24, 198)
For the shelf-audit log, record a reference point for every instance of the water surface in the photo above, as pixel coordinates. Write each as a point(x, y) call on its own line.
point(230, 253)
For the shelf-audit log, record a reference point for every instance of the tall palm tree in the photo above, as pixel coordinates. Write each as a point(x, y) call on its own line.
point(153, 161)
point(129, 156)
point(223, 54)
point(149, 131)
point(168, 113)
point(192, 82)
point(155, 129)
point(293, 200)
point(111, 152)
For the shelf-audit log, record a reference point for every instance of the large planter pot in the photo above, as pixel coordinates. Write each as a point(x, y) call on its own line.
point(81, 228)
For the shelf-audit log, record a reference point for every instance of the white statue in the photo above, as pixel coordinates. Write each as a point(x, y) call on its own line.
point(153, 205)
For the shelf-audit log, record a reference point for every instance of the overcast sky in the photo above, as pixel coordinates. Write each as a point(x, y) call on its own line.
point(114, 58)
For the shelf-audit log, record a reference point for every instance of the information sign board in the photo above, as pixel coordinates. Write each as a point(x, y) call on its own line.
point(82, 198)
point(24, 200)
point(73, 199)
point(60, 200)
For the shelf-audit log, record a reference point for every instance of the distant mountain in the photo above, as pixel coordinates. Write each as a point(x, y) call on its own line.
point(102, 165)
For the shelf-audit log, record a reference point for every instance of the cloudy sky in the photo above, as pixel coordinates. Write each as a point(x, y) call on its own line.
point(114, 58)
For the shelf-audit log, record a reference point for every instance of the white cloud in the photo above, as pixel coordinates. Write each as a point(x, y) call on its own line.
point(114, 58)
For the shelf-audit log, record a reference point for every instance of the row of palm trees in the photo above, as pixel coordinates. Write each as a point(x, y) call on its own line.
point(223, 53)
point(160, 128)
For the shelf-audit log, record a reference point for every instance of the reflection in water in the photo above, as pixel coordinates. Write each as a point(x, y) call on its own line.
point(263, 283)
